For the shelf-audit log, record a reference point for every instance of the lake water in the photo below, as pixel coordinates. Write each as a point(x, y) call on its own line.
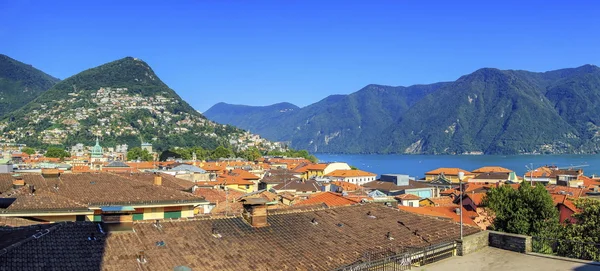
point(417, 165)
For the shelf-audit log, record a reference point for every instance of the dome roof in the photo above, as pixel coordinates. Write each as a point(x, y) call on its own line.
point(97, 149)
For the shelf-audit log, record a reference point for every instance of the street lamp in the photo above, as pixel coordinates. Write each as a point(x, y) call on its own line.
point(461, 176)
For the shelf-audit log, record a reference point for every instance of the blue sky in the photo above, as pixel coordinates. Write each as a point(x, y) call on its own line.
point(264, 52)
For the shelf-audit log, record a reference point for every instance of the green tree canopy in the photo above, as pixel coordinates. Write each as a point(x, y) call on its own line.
point(137, 153)
point(28, 150)
point(221, 152)
point(580, 240)
point(250, 154)
point(527, 210)
point(56, 152)
point(293, 153)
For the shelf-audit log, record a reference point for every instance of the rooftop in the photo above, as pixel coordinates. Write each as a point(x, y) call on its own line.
point(350, 173)
point(494, 259)
point(320, 239)
point(328, 198)
point(492, 169)
point(452, 171)
point(390, 186)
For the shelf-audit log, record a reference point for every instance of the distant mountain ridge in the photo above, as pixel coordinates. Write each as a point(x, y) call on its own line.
point(20, 83)
point(489, 111)
point(123, 102)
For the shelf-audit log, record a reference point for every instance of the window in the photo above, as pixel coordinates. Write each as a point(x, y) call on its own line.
point(411, 204)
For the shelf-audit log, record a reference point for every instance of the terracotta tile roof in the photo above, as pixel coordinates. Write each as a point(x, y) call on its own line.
point(167, 180)
point(346, 186)
point(142, 165)
point(44, 200)
point(299, 186)
point(442, 201)
point(242, 174)
point(217, 195)
point(317, 167)
point(408, 197)
point(541, 172)
point(80, 169)
point(302, 168)
point(450, 191)
point(448, 171)
point(290, 242)
point(279, 176)
point(492, 176)
point(212, 167)
point(443, 212)
point(349, 173)
point(231, 180)
point(491, 169)
point(566, 201)
point(477, 198)
point(328, 198)
point(589, 182)
point(574, 192)
point(95, 189)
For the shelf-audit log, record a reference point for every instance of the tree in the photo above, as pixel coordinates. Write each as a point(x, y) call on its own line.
point(527, 210)
point(251, 154)
point(137, 153)
point(28, 150)
point(221, 152)
point(56, 152)
point(581, 239)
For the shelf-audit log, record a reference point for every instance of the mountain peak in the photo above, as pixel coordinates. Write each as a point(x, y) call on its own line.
point(20, 83)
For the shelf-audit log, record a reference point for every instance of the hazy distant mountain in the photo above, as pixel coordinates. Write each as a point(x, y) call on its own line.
point(489, 111)
point(123, 101)
point(20, 83)
point(248, 116)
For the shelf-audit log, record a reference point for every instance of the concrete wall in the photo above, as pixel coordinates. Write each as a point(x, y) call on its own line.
point(509, 241)
point(473, 242)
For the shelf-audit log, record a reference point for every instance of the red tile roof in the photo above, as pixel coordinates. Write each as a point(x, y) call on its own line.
point(317, 167)
point(574, 192)
point(328, 198)
point(408, 197)
point(477, 198)
point(346, 186)
point(448, 171)
point(350, 173)
point(442, 201)
point(443, 212)
point(492, 169)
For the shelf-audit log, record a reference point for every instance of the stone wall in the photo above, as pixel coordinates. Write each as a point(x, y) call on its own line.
point(472, 243)
point(509, 241)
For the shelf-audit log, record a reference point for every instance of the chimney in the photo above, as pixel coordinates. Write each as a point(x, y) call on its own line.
point(157, 180)
point(255, 212)
point(18, 181)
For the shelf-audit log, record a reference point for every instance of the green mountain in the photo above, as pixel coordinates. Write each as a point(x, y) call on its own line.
point(20, 83)
point(338, 123)
point(123, 102)
point(490, 111)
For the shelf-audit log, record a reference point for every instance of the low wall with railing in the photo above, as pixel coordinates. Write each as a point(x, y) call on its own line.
point(509, 241)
